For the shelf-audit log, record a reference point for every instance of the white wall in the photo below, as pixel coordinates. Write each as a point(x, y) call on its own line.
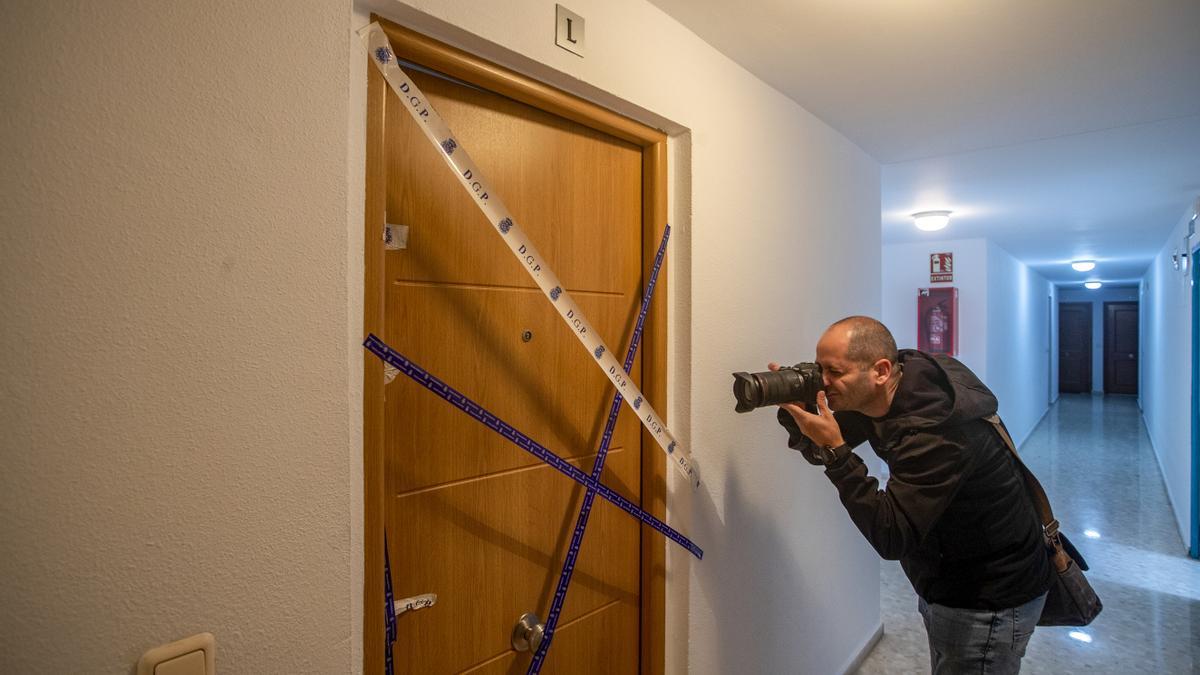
point(1097, 298)
point(906, 268)
point(1004, 332)
point(184, 197)
point(1166, 357)
point(177, 442)
point(1018, 325)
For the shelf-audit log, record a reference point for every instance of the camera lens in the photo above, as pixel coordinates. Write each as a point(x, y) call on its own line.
point(747, 389)
point(799, 383)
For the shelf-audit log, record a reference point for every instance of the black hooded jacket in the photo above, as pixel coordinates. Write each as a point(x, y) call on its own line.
point(955, 511)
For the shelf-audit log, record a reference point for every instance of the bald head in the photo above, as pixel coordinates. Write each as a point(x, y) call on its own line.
point(858, 366)
point(867, 340)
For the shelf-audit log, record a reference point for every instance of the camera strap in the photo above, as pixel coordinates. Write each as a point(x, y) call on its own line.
point(473, 181)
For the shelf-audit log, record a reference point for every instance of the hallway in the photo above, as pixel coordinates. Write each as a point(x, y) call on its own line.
point(1093, 456)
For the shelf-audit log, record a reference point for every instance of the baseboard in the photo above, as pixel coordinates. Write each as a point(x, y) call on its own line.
point(1184, 535)
point(864, 651)
point(1033, 428)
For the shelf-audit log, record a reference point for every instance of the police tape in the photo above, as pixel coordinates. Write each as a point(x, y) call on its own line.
point(416, 602)
point(389, 609)
point(487, 418)
point(585, 511)
point(472, 179)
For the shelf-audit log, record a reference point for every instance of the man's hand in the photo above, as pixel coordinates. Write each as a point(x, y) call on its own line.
point(821, 428)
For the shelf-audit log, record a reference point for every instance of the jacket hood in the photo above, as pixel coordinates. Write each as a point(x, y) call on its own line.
point(936, 390)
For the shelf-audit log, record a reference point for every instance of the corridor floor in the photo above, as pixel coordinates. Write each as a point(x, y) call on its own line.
point(1093, 456)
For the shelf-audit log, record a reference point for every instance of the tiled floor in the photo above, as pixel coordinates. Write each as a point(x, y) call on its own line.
point(1092, 455)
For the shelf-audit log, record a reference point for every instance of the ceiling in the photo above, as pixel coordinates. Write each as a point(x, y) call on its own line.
point(1059, 129)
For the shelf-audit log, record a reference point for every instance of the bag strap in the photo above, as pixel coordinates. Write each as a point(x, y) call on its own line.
point(1031, 482)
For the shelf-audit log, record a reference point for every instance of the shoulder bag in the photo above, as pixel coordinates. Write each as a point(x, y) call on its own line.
point(1071, 600)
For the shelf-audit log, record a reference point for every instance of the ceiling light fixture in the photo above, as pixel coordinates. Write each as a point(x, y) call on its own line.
point(1092, 285)
point(1083, 265)
point(931, 220)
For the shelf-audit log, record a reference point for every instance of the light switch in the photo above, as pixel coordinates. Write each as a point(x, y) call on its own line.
point(191, 663)
point(195, 655)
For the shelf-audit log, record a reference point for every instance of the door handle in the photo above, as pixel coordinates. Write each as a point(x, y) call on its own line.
point(528, 633)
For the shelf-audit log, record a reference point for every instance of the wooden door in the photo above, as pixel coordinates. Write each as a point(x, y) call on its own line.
point(1075, 347)
point(1120, 347)
point(468, 515)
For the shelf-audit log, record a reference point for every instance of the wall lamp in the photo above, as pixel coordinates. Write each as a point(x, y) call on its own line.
point(931, 221)
point(1180, 260)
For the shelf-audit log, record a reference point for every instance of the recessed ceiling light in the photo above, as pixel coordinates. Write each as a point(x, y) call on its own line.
point(1091, 534)
point(1092, 285)
point(1083, 265)
point(1080, 635)
point(931, 220)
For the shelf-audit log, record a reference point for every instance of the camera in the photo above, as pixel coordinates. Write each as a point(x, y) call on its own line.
point(799, 383)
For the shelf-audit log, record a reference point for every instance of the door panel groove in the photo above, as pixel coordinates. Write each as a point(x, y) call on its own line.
point(499, 287)
point(536, 466)
point(587, 615)
point(561, 627)
point(487, 662)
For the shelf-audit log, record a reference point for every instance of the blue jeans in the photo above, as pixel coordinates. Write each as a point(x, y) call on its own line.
point(978, 640)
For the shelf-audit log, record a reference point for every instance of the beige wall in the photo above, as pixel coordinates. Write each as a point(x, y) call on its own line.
point(184, 197)
point(177, 449)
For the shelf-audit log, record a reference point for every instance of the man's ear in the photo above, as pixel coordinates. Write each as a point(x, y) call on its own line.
point(881, 370)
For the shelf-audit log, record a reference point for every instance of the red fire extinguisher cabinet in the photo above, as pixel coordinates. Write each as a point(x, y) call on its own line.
point(937, 320)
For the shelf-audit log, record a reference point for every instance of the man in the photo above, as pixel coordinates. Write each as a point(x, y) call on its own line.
point(955, 511)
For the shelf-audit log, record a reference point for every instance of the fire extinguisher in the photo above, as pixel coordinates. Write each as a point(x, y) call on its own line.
point(937, 329)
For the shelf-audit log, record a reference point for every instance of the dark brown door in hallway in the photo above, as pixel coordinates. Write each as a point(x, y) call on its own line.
point(1120, 348)
point(1075, 347)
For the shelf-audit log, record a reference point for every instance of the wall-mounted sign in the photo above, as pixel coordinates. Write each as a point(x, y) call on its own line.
point(941, 267)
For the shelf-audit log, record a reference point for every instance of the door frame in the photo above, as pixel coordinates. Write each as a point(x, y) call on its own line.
point(1090, 342)
point(1051, 353)
point(414, 47)
point(1106, 349)
point(1194, 549)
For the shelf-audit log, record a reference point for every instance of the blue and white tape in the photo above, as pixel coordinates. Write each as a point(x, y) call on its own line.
point(568, 569)
point(473, 181)
point(485, 417)
point(416, 602)
point(389, 608)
